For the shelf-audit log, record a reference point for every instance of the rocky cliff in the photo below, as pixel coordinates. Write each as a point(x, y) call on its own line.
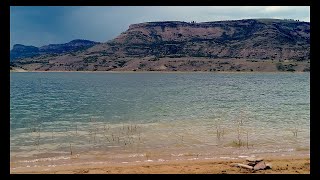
point(173, 45)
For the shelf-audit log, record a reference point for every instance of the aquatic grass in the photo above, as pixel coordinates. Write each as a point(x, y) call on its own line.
point(70, 149)
point(124, 135)
point(52, 134)
point(241, 125)
point(191, 154)
point(147, 155)
point(296, 126)
point(36, 134)
point(247, 139)
point(243, 114)
point(295, 131)
point(139, 137)
point(219, 132)
point(302, 149)
point(236, 143)
point(239, 142)
point(38, 139)
point(127, 136)
point(152, 154)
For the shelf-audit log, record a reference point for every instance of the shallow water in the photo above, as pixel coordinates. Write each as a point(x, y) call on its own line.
point(76, 118)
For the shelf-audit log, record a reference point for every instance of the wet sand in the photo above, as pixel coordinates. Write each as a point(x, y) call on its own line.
point(280, 165)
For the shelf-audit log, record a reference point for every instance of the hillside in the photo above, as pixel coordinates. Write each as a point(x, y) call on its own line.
point(20, 51)
point(239, 45)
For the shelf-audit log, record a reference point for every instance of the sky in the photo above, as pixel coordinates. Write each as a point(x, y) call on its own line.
point(42, 25)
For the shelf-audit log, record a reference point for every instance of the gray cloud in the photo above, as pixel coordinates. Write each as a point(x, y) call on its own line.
point(104, 23)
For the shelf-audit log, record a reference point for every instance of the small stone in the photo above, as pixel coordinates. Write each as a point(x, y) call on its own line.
point(260, 165)
point(253, 159)
point(234, 164)
point(252, 163)
point(268, 166)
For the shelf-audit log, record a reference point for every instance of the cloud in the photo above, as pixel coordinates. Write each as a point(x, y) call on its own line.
point(45, 25)
point(306, 19)
point(273, 8)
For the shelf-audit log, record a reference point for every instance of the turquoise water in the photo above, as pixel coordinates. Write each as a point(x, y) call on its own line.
point(65, 118)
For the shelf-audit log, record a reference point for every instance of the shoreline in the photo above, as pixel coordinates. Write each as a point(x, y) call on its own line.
point(280, 165)
point(169, 72)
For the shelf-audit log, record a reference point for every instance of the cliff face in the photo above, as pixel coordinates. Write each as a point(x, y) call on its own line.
point(259, 39)
point(252, 39)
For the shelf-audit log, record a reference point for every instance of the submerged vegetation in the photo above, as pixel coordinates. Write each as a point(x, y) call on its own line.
point(131, 136)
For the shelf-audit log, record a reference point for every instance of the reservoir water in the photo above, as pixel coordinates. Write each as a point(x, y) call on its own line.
point(67, 118)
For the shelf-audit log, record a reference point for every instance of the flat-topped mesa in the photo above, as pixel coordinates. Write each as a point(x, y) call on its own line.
point(218, 31)
point(249, 39)
point(160, 23)
point(192, 23)
point(151, 32)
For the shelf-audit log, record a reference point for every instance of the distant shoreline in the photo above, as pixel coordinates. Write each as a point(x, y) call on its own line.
point(202, 65)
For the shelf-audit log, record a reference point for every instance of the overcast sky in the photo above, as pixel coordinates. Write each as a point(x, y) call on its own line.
point(41, 25)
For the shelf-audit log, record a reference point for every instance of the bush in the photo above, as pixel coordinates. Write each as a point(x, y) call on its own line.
point(90, 59)
point(142, 65)
point(121, 63)
point(291, 70)
point(280, 67)
point(307, 69)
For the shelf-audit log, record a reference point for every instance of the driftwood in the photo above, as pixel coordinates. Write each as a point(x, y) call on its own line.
point(252, 159)
point(253, 164)
point(242, 165)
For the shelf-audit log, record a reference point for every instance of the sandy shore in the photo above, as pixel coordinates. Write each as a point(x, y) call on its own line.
point(280, 165)
point(165, 72)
